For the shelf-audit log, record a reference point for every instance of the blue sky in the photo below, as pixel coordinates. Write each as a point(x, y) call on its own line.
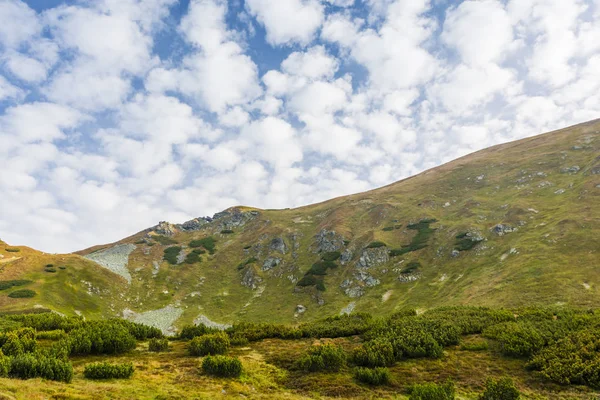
point(115, 114)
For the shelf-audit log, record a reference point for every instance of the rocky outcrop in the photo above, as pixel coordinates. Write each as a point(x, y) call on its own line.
point(165, 228)
point(346, 256)
point(270, 263)
point(195, 224)
point(502, 229)
point(234, 218)
point(373, 257)
point(278, 245)
point(250, 278)
point(327, 241)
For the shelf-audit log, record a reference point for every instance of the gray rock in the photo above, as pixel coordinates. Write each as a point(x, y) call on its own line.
point(250, 278)
point(346, 256)
point(373, 257)
point(406, 278)
point(204, 320)
point(234, 218)
point(570, 170)
point(455, 253)
point(354, 292)
point(560, 191)
point(595, 170)
point(165, 228)
point(348, 309)
point(181, 257)
point(162, 319)
point(300, 309)
point(278, 244)
point(327, 241)
point(115, 259)
point(346, 284)
point(366, 279)
point(502, 229)
point(270, 263)
point(195, 224)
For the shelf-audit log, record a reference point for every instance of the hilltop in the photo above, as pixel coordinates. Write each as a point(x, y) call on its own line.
point(516, 224)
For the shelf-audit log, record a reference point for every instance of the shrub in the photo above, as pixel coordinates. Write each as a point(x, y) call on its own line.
point(62, 267)
point(411, 267)
point(327, 357)
point(171, 254)
point(9, 284)
point(331, 256)
point(320, 286)
point(223, 366)
point(239, 340)
point(12, 250)
point(101, 338)
point(338, 326)
point(432, 391)
point(192, 258)
point(517, 339)
point(158, 345)
point(419, 241)
point(105, 370)
point(376, 244)
point(191, 331)
point(48, 265)
point(388, 229)
point(308, 280)
point(375, 353)
point(50, 269)
point(27, 366)
point(374, 377)
point(503, 389)
point(199, 251)
point(56, 334)
point(226, 232)
point(13, 346)
point(22, 294)
point(318, 268)
point(208, 243)
point(211, 344)
point(4, 365)
point(474, 346)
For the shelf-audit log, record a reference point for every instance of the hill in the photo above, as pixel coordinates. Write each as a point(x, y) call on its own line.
point(516, 224)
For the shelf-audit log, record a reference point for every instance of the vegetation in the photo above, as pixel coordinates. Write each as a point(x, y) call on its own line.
point(375, 377)
point(375, 245)
point(17, 282)
point(464, 242)
point(432, 391)
point(210, 344)
point(502, 389)
point(192, 258)
point(420, 240)
point(327, 357)
point(331, 256)
point(226, 232)
point(164, 240)
point(22, 294)
point(157, 345)
point(12, 250)
point(209, 243)
point(222, 366)
point(171, 254)
point(105, 370)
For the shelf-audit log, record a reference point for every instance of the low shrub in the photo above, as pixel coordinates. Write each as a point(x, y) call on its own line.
point(331, 256)
point(62, 267)
point(516, 339)
point(320, 286)
point(56, 334)
point(28, 366)
point(308, 280)
point(171, 254)
point(375, 377)
point(376, 244)
point(211, 344)
point(239, 340)
point(12, 250)
point(158, 345)
point(327, 357)
point(192, 258)
point(222, 366)
point(208, 243)
point(226, 232)
point(375, 353)
point(9, 284)
point(4, 365)
point(199, 251)
point(50, 269)
point(191, 331)
point(106, 370)
point(503, 389)
point(164, 240)
point(432, 391)
point(101, 337)
point(22, 294)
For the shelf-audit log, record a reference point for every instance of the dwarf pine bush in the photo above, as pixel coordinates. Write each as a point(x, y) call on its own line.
point(223, 366)
point(105, 370)
point(211, 344)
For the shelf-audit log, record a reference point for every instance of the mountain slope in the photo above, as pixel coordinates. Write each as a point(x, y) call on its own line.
point(511, 225)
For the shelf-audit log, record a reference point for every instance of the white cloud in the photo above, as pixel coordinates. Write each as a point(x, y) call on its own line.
point(25, 68)
point(288, 21)
point(18, 23)
point(9, 91)
point(315, 63)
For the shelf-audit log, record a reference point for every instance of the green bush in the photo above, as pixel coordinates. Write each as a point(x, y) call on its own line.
point(192, 258)
point(375, 377)
point(50, 269)
point(432, 391)
point(331, 256)
point(199, 251)
point(411, 267)
point(13, 346)
point(208, 243)
point(503, 389)
point(308, 280)
point(517, 339)
point(12, 250)
point(62, 267)
point(258, 331)
point(318, 268)
point(192, 331)
point(171, 253)
point(226, 232)
point(376, 244)
point(320, 286)
point(158, 345)
point(375, 353)
point(327, 357)
point(338, 326)
point(419, 241)
point(27, 366)
point(22, 294)
point(100, 338)
point(106, 370)
point(56, 334)
point(222, 366)
point(239, 340)
point(4, 365)
point(9, 284)
point(211, 344)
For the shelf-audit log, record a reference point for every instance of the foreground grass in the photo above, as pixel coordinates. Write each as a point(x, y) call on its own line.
point(175, 375)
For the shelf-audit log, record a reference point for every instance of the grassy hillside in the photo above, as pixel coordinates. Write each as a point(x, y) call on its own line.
point(516, 224)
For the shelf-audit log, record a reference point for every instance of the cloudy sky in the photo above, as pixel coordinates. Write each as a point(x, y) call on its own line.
point(115, 114)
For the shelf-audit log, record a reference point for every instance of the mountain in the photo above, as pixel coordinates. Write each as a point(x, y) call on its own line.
point(515, 224)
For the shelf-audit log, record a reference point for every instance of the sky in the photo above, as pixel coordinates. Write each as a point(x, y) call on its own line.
point(117, 114)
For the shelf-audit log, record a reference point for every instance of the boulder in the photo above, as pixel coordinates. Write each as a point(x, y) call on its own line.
point(270, 263)
point(373, 257)
point(165, 228)
point(278, 244)
point(250, 278)
point(328, 241)
point(502, 229)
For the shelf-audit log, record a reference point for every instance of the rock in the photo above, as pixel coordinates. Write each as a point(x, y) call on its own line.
point(195, 224)
point(234, 218)
point(570, 170)
point(270, 263)
point(181, 256)
point(162, 319)
point(455, 253)
point(544, 184)
point(345, 284)
point(595, 170)
point(328, 241)
point(373, 257)
point(560, 191)
point(354, 292)
point(367, 279)
point(502, 229)
point(278, 244)
point(348, 309)
point(346, 256)
point(250, 278)
point(203, 320)
point(165, 228)
point(115, 259)
point(300, 309)
point(406, 278)
point(155, 268)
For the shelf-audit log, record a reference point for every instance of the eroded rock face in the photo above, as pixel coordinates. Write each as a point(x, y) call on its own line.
point(234, 218)
point(165, 228)
point(502, 229)
point(373, 257)
point(270, 263)
point(346, 256)
point(327, 241)
point(250, 278)
point(195, 224)
point(278, 244)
